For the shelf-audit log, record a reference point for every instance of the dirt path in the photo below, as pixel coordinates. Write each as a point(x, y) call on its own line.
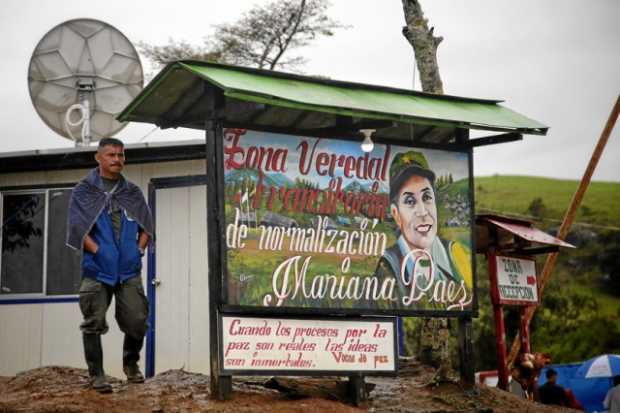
point(64, 389)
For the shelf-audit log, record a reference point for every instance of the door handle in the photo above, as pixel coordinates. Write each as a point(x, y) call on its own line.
point(156, 282)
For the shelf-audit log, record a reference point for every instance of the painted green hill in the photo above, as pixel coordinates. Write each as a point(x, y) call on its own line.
point(515, 194)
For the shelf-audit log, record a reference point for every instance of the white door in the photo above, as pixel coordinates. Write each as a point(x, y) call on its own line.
point(182, 294)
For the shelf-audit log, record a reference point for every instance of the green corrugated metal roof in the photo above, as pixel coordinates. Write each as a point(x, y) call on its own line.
point(303, 93)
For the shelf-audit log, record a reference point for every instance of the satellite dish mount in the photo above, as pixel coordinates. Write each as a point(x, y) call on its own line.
point(85, 87)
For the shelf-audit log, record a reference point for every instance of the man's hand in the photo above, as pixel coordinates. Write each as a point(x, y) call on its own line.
point(90, 245)
point(143, 240)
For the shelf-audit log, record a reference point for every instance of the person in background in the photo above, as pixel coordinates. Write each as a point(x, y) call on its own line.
point(110, 222)
point(515, 386)
point(612, 399)
point(551, 392)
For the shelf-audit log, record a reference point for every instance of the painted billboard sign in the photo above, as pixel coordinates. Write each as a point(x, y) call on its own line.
point(300, 346)
point(318, 223)
point(516, 280)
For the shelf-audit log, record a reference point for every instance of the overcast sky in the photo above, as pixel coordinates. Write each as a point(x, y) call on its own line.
point(555, 61)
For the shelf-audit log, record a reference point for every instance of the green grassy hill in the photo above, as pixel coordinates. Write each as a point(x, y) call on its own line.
point(514, 194)
point(580, 313)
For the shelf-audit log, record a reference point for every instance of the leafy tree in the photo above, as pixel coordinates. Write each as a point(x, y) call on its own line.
point(260, 38)
point(570, 326)
point(176, 50)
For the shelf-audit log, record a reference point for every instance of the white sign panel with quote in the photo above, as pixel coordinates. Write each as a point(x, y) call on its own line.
point(287, 346)
point(516, 281)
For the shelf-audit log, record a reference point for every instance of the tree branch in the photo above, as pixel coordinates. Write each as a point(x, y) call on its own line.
point(295, 30)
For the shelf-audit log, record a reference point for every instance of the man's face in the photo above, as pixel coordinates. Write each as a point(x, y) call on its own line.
point(415, 212)
point(111, 159)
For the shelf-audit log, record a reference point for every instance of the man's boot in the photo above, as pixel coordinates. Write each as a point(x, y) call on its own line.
point(131, 355)
point(94, 359)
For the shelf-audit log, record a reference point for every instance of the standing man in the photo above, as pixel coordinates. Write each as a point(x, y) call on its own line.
point(551, 392)
point(111, 223)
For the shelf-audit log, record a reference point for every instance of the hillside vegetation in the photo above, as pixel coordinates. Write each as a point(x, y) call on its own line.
point(514, 194)
point(580, 313)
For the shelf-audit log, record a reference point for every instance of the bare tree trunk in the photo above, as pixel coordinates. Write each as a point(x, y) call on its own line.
point(424, 45)
point(432, 336)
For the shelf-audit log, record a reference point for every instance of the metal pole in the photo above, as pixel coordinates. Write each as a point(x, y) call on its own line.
point(569, 217)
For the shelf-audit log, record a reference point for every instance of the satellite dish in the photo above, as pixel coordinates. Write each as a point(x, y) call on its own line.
point(82, 74)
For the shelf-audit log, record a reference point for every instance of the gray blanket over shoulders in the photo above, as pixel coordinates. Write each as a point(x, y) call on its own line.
point(89, 200)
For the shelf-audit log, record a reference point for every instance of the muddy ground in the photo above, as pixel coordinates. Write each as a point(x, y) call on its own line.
point(64, 389)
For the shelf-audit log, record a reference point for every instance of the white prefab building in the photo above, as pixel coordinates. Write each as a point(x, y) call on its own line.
point(40, 276)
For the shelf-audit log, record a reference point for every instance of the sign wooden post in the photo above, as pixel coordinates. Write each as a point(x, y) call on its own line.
point(500, 329)
point(466, 352)
point(465, 339)
point(356, 389)
point(220, 385)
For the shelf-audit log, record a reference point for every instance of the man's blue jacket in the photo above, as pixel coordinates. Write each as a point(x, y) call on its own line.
point(116, 259)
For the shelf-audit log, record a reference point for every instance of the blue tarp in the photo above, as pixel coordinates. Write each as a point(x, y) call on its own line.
point(589, 392)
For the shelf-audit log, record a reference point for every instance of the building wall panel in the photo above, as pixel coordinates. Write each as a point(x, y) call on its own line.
point(20, 337)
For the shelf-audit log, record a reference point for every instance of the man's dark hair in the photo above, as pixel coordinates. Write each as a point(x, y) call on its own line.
point(550, 373)
point(110, 141)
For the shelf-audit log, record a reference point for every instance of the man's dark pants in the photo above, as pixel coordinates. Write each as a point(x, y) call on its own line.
point(131, 312)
